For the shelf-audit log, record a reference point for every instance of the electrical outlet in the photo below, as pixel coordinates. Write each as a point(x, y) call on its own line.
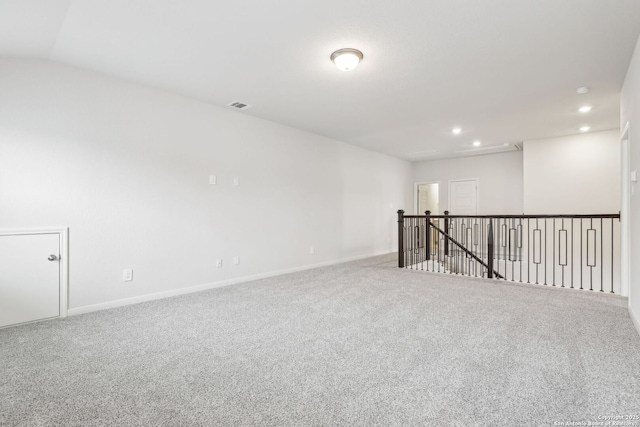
point(213, 180)
point(127, 275)
point(236, 181)
point(219, 263)
point(312, 250)
point(236, 260)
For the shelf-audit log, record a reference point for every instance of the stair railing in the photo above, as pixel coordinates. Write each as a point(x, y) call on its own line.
point(558, 250)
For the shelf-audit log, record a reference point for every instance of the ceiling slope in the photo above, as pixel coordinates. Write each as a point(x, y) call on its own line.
point(503, 71)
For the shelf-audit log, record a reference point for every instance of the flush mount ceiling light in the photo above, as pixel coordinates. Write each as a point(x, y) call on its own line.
point(346, 59)
point(477, 143)
point(585, 109)
point(456, 131)
point(585, 129)
point(582, 90)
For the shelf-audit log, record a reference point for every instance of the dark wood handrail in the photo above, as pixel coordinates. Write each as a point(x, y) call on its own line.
point(515, 216)
point(467, 251)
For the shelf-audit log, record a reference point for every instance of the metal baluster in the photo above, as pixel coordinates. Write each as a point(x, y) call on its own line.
point(512, 246)
point(485, 234)
point(545, 251)
point(409, 244)
point(500, 242)
point(476, 238)
point(438, 248)
point(520, 248)
point(554, 253)
point(409, 227)
point(590, 266)
point(456, 252)
point(534, 250)
point(450, 256)
point(565, 257)
point(528, 250)
point(455, 248)
point(418, 244)
point(490, 250)
point(416, 239)
point(601, 258)
point(581, 253)
point(572, 260)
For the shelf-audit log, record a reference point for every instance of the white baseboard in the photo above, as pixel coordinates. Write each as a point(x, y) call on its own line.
point(635, 320)
point(197, 288)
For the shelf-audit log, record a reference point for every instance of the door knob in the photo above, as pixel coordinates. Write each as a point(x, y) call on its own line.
point(52, 257)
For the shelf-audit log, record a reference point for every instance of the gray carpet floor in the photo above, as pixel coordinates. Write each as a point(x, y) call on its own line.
point(361, 343)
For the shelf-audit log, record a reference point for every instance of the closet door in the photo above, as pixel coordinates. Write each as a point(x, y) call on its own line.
point(29, 277)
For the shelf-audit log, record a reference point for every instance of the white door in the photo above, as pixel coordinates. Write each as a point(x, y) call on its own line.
point(29, 277)
point(463, 197)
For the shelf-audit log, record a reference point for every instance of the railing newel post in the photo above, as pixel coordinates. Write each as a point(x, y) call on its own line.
point(400, 238)
point(446, 231)
point(427, 242)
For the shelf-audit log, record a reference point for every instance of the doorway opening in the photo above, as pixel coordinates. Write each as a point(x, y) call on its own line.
point(428, 197)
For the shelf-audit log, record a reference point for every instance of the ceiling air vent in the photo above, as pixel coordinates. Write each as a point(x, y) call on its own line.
point(240, 105)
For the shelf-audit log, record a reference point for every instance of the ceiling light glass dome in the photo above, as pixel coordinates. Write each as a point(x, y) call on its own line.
point(346, 59)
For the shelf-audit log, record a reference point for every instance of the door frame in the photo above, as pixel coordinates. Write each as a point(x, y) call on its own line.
point(63, 252)
point(625, 211)
point(460, 180)
point(415, 195)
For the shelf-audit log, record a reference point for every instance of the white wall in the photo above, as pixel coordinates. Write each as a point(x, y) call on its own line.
point(630, 112)
point(126, 167)
point(577, 174)
point(499, 175)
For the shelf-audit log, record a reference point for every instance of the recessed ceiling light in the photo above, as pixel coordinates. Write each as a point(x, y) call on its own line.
point(456, 131)
point(477, 143)
point(585, 109)
point(585, 128)
point(582, 89)
point(346, 59)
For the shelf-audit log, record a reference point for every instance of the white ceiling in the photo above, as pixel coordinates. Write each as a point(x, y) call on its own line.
point(504, 70)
